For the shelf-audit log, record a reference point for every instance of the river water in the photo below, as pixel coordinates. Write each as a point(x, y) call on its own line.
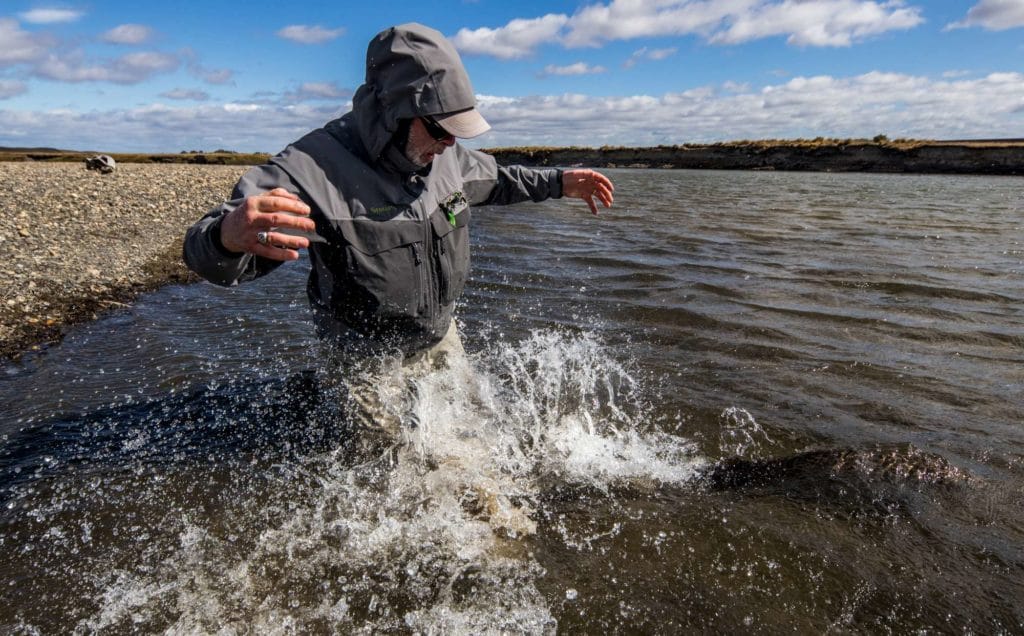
point(737, 401)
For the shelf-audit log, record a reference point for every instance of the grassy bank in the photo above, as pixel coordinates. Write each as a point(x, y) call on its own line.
point(218, 158)
point(879, 154)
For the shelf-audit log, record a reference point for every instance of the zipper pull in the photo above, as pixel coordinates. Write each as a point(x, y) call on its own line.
point(416, 254)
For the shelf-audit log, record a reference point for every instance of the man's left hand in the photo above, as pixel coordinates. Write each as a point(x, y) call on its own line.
point(587, 184)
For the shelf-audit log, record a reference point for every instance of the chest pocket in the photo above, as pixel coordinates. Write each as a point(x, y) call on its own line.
point(450, 231)
point(384, 259)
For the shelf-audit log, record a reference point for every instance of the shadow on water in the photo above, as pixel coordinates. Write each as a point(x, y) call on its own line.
point(89, 502)
point(239, 420)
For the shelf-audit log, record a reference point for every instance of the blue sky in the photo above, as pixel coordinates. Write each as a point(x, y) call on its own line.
point(253, 76)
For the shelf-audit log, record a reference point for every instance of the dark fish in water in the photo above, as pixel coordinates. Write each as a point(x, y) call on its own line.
point(877, 479)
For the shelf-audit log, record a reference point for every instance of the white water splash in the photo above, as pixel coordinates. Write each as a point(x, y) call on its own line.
point(741, 435)
point(433, 538)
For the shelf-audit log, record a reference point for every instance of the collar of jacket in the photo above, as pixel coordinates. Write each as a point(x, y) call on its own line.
point(346, 130)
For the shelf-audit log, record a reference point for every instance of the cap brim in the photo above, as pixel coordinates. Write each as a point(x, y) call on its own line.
point(464, 125)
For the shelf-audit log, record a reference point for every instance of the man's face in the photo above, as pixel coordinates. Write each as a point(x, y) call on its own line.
point(421, 147)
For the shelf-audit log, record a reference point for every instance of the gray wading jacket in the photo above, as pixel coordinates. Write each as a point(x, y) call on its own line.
point(391, 255)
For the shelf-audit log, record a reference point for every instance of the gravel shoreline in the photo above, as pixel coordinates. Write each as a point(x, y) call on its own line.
point(75, 243)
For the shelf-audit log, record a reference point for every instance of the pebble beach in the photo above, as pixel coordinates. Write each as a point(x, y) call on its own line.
point(75, 243)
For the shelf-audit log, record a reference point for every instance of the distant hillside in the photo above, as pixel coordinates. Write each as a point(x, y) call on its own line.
point(994, 156)
point(218, 157)
point(997, 157)
point(6, 149)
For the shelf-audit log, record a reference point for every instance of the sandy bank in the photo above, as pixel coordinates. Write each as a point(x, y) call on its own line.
point(74, 243)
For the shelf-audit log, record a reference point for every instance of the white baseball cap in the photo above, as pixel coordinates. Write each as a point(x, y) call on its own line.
point(464, 124)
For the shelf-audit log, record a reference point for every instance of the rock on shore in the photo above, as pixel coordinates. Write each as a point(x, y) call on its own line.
point(74, 243)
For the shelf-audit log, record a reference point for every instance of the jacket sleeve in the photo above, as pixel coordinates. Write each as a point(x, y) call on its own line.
point(487, 183)
point(203, 251)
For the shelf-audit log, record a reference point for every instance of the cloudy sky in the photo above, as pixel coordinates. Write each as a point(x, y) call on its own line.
point(255, 75)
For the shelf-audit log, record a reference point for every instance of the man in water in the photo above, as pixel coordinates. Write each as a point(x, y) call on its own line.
point(381, 198)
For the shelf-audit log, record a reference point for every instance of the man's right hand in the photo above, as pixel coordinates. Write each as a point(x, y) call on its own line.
point(266, 213)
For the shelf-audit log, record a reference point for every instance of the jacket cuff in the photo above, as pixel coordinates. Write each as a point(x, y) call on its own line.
point(218, 245)
point(556, 189)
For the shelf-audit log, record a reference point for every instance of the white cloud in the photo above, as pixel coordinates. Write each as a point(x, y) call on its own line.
point(579, 68)
point(185, 93)
point(649, 54)
point(319, 90)
point(626, 20)
point(802, 22)
point(661, 54)
point(213, 75)
point(50, 16)
point(208, 75)
point(304, 34)
point(18, 47)
point(128, 34)
point(516, 39)
point(10, 88)
point(494, 100)
point(306, 92)
point(994, 15)
point(127, 69)
point(819, 23)
point(235, 107)
point(164, 128)
point(858, 106)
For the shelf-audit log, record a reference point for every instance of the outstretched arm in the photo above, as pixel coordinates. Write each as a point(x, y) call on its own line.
point(487, 183)
point(586, 185)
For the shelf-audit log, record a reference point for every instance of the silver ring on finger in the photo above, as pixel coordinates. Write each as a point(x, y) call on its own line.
point(262, 237)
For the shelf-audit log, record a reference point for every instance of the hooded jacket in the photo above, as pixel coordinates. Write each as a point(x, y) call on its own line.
point(390, 256)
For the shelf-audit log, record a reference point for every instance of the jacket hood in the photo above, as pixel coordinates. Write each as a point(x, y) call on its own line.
point(411, 70)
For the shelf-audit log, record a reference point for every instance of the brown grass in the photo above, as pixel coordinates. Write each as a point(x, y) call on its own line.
point(817, 142)
point(214, 158)
point(250, 159)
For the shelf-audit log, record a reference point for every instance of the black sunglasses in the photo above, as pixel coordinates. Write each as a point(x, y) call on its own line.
point(434, 129)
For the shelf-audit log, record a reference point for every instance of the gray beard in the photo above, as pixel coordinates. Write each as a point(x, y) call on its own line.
point(413, 160)
point(406, 150)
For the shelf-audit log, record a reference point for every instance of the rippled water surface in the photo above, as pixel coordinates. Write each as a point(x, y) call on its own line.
point(738, 401)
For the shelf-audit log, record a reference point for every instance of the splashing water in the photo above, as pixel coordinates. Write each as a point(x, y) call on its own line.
point(434, 537)
point(740, 434)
